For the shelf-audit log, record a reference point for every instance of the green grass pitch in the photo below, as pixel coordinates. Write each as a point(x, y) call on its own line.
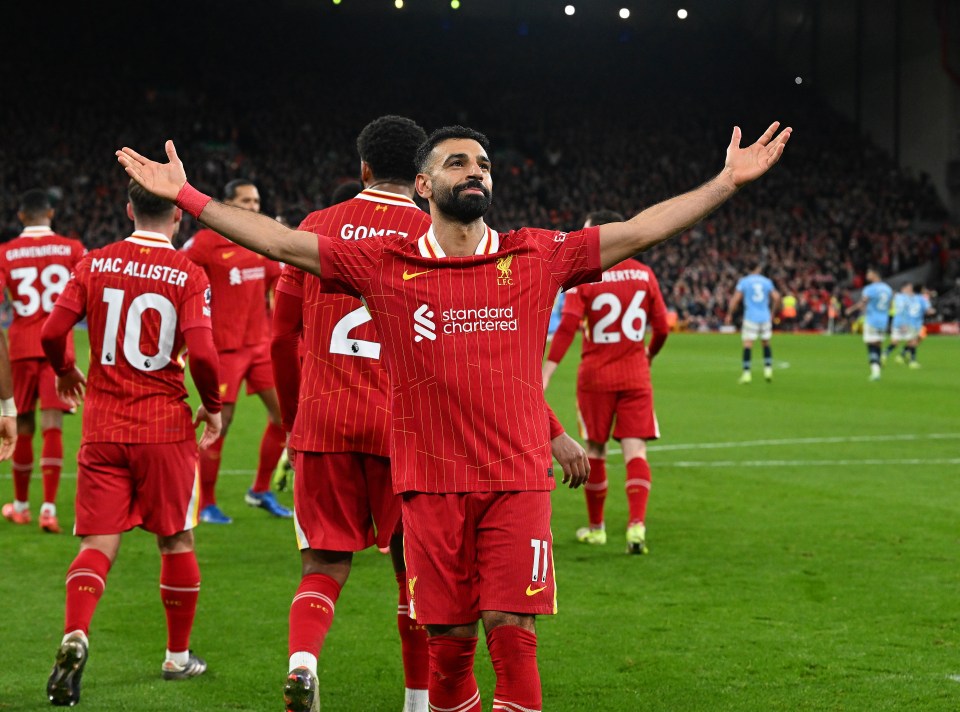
point(803, 556)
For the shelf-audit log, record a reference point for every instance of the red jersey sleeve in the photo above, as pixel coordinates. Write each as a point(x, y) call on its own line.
point(658, 318)
point(346, 265)
point(74, 295)
point(285, 348)
point(291, 281)
point(195, 252)
point(195, 308)
point(572, 313)
point(572, 257)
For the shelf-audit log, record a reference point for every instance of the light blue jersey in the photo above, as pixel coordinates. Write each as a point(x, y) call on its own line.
point(756, 297)
point(877, 314)
point(918, 310)
point(903, 306)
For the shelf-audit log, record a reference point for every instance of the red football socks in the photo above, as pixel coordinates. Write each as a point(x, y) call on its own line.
point(452, 683)
point(209, 469)
point(311, 613)
point(51, 462)
point(596, 491)
point(22, 467)
point(413, 642)
point(513, 652)
point(86, 579)
point(638, 488)
point(179, 590)
point(271, 447)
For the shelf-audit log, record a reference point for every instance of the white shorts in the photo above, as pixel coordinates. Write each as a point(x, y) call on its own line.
point(904, 333)
point(872, 335)
point(752, 330)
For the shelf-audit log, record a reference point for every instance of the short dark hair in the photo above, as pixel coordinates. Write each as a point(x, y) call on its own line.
point(146, 204)
point(388, 145)
point(602, 217)
point(347, 190)
point(35, 202)
point(230, 189)
point(443, 134)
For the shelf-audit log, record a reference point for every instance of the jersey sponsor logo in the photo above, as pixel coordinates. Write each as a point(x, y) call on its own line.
point(410, 275)
point(424, 326)
point(248, 274)
point(531, 591)
point(468, 321)
point(505, 277)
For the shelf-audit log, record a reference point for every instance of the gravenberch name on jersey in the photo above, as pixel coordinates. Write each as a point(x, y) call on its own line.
point(24, 253)
point(161, 273)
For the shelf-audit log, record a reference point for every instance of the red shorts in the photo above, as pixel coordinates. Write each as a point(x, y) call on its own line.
point(34, 378)
point(344, 501)
point(633, 410)
point(249, 364)
point(478, 551)
point(124, 485)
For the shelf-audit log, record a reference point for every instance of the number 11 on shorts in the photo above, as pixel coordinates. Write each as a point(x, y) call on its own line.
point(537, 545)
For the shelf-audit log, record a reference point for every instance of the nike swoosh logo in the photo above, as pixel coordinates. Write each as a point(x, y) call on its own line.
point(411, 275)
point(228, 255)
point(534, 591)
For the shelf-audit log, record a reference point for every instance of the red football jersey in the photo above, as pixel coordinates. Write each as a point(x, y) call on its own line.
point(344, 390)
point(462, 339)
point(240, 280)
point(139, 295)
point(616, 314)
point(35, 267)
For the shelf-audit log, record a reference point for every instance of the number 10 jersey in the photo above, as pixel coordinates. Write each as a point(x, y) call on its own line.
point(139, 295)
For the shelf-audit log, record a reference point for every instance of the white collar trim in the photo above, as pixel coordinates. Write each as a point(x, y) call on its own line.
point(148, 238)
point(429, 247)
point(36, 231)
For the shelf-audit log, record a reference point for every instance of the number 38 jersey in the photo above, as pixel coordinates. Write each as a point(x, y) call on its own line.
point(616, 314)
point(344, 389)
point(34, 268)
point(139, 295)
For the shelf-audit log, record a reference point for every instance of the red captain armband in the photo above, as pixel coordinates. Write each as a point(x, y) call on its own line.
point(191, 200)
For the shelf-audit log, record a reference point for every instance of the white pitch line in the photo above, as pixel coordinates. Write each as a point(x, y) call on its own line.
point(811, 463)
point(829, 440)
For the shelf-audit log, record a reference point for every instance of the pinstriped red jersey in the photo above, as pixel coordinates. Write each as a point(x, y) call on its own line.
point(617, 313)
point(462, 339)
point(34, 269)
point(240, 281)
point(139, 295)
point(344, 389)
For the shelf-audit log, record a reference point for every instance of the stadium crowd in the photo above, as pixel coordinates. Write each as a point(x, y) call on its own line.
point(838, 204)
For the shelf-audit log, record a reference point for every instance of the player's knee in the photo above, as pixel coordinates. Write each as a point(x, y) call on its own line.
point(456, 631)
point(595, 450)
point(494, 619)
point(335, 564)
point(178, 543)
point(26, 423)
point(51, 420)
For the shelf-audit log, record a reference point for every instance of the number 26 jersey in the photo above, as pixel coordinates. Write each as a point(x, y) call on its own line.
point(139, 295)
point(617, 312)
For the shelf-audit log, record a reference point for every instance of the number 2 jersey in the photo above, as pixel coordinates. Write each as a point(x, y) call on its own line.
point(34, 268)
point(139, 295)
point(344, 390)
point(616, 314)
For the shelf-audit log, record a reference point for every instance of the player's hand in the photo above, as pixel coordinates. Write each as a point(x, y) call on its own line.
point(8, 437)
point(572, 458)
point(744, 165)
point(70, 387)
point(213, 424)
point(548, 368)
point(162, 179)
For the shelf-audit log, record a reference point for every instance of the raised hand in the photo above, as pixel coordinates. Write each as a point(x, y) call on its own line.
point(162, 179)
point(747, 164)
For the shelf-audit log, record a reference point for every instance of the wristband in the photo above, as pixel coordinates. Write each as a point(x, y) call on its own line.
point(8, 408)
point(191, 200)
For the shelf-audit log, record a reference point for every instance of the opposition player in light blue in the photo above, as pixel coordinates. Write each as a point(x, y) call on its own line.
point(902, 330)
point(756, 292)
point(875, 304)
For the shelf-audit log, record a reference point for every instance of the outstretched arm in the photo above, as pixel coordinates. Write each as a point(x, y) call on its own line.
point(664, 220)
point(248, 229)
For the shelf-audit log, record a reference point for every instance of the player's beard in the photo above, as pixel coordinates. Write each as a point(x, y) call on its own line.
point(464, 208)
